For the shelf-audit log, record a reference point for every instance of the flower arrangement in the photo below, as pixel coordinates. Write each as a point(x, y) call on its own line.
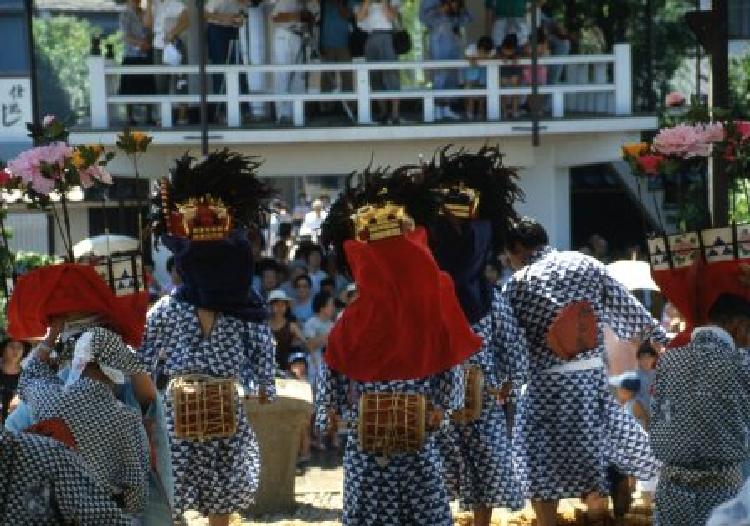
point(133, 144)
point(55, 171)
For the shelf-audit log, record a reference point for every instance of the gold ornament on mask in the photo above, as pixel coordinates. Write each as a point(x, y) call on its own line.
point(375, 222)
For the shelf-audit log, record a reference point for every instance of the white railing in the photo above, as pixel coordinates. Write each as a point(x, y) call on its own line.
point(594, 84)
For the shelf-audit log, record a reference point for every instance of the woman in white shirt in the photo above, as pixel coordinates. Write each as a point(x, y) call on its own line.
point(378, 19)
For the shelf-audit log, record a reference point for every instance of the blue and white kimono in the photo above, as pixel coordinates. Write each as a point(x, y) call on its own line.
point(403, 488)
point(477, 457)
point(700, 426)
point(569, 428)
point(215, 476)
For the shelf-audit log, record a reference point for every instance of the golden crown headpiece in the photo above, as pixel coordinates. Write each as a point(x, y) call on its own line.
point(203, 218)
point(461, 202)
point(381, 221)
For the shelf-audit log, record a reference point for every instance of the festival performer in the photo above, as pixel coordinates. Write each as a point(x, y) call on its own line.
point(569, 428)
point(700, 420)
point(468, 220)
point(80, 309)
point(210, 333)
point(45, 483)
point(390, 364)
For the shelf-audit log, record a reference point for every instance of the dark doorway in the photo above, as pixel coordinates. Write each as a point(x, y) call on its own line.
point(601, 204)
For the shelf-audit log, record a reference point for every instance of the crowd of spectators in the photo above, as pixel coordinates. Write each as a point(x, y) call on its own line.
point(338, 31)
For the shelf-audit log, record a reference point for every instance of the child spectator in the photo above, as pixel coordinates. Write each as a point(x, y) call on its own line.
point(647, 356)
point(476, 76)
point(542, 50)
point(510, 75)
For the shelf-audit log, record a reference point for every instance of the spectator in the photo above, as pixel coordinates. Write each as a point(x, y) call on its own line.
point(646, 371)
point(296, 269)
point(313, 219)
point(268, 279)
point(510, 75)
point(314, 259)
point(334, 47)
point(351, 293)
point(301, 208)
point(290, 23)
point(135, 24)
point(170, 19)
point(290, 356)
point(378, 19)
point(627, 386)
point(316, 332)
point(339, 280)
point(476, 76)
point(12, 354)
point(559, 40)
point(542, 50)
point(444, 20)
point(507, 17)
point(303, 303)
point(223, 20)
point(599, 248)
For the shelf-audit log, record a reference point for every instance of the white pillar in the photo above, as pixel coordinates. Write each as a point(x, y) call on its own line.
point(623, 80)
point(493, 91)
point(362, 87)
point(256, 28)
point(233, 93)
point(98, 92)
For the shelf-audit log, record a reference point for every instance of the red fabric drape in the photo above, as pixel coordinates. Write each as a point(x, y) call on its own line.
point(407, 322)
point(58, 290)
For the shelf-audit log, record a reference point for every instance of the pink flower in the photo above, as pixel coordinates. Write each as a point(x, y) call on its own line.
point(28, 166)
point(674, 99)
point(94, 173)
point(714, 132)
point(650, 163)
point(684, 141)
point(48, 120)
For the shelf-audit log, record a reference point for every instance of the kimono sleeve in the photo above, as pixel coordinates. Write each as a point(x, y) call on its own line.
point(38, 383)
point(509, 344)
point(261, 364)
point(448, 389)
point(135, 476)
point(148, 353)
point(331, 395)
point(627, 317)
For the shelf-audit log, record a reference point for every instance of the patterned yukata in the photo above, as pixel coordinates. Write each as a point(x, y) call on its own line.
point(109, 435)
point(477, 457)
point(404, 488)
point(43, 483)
point(220, 475)
point(569, 428)
point(700, 426)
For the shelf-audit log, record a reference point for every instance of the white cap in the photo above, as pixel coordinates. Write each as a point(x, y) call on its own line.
point(278, 295)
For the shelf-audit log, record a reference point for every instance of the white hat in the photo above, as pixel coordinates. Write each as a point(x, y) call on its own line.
point(278, 295)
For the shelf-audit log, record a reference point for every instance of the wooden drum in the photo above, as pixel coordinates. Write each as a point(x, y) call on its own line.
point(391, 423)
point(472, 410)
point(204, 407)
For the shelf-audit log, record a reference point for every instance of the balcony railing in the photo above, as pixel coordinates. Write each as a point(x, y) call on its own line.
point(591, 85)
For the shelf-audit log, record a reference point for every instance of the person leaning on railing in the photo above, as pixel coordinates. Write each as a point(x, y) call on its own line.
point(135, 24)
point(378, 19)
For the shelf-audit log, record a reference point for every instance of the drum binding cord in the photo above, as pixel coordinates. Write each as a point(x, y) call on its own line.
point(391, 423)
point(205, 407)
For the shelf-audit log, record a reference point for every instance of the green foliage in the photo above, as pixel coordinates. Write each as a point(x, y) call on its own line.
point(739, 85)
point(629, 21)
point(62, 44)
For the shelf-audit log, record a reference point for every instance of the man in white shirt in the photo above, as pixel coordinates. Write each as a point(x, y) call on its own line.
point(170, 21)
point(313, 220)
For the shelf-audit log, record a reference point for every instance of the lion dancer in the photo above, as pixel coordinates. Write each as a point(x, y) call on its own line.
point(210, 334)
point(569, 428)
point(390, 360)
point(468, 221)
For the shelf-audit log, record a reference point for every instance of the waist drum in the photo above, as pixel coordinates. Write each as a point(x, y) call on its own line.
point(391, 423)
point(204, 407)
point(473, 397)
